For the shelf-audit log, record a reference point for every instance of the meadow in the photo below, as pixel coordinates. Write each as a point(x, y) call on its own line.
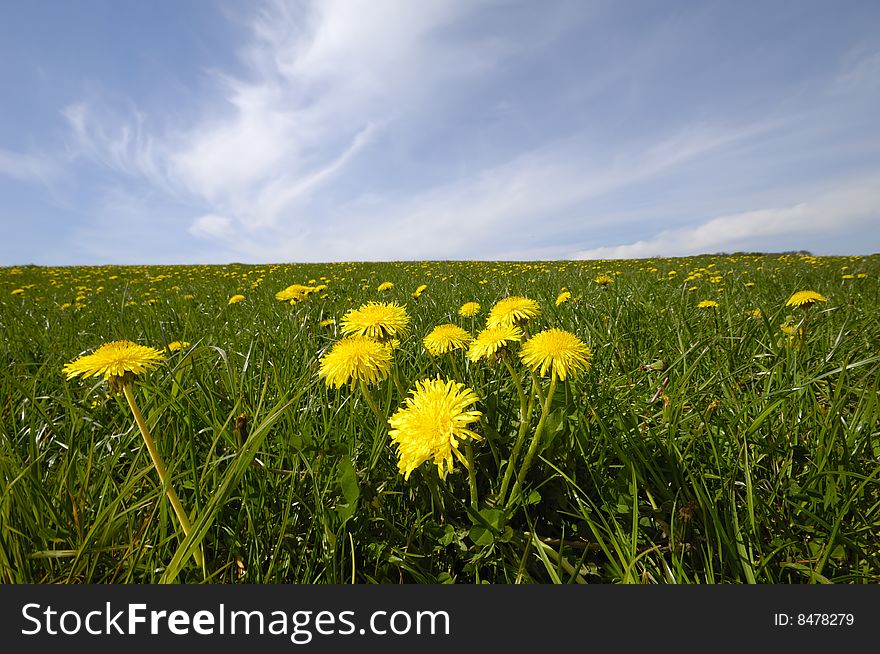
point(712, 434)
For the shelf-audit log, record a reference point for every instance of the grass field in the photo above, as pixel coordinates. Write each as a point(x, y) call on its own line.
point(702, 445)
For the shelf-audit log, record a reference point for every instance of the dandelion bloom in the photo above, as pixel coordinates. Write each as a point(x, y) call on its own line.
point(378, 320)
point(294, 293)
point(117, 362)
point(432, 425)
point(174, 346)
point(707, 304)
point(511, 311)
point(385, 286)
point(469, 309)
point(446, 338)
point(18, 291)
point(756, 314)
point(235, 299)
point(329, 322)
point(805, 299)
point(418, 292)
point(356, 358)
point(556, 350)
point(603, 280)
point(565, 296)
point(492, 340)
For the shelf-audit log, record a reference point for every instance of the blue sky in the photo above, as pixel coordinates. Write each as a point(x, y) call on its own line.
point(211, 132)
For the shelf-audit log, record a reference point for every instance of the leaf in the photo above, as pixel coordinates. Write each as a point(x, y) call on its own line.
point(351, 490)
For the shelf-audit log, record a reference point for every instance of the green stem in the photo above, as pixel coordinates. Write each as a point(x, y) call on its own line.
point(368, 396)
point(525, 414)
point(160, 469)
point(533, 446)
point(472, 475)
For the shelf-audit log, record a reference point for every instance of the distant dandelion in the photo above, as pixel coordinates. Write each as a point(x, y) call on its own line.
point(492, 341)
point(469, 309)
point(175, 346)
point(805, 299)
point(18, 291)
point(565, 296)
point(446, 338)
point(555, 350)
point(756, 314)
point(385, 286)
point(433, 424)
point(603, 280)
point(235, 299)
point(354, 359)
point(707, 304)
point(379, 320)
point(418, 292)
point(329, 322)
point(294, 293)
point(511, 311)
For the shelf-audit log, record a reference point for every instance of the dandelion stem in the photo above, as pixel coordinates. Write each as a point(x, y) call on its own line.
point(472, 474)
point(533, 446)
point(368, 396)
point(525, 413)
point(160, 469)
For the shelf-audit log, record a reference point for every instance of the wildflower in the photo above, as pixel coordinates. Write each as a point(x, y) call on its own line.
point(492, 341)
point(558, 351)
point(18, 291)
point(118, 362)
point(175, 346)
point(418, 292)
point(469, 309)
point(756, 314)
point(356, 358)
point(294, 293)
point(805, 299)
point(379, 320)
point(511, 311)
point(188, 297)
point(385, 286)
point(446, 338)
point(329, 322)
point(707, 304)
point(603, 280)
point(565, 296)
point(433, 424)
point(235, 299)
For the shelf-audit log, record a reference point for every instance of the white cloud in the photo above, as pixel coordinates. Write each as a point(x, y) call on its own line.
point(27, 167)
point(212, 226)
point(852, 203)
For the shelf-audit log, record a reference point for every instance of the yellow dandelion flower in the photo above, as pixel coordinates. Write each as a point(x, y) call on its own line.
point(603, 280)
point(707, 304)
point(356, 358)
point(188, 297)
point(565, 296)
point(512, 310)
point(117, 362)
point(18, 291)
point(433, 424)
point(556, 350)
point(418, 292)
point(294, 293)
point(329, 322)
point(756, 314)
point(175, 346)
point(805, 299)
point(385, 286)
point(379, 320)
point(446, 338)
point(492, 340)
point(235, 299)
point(469, 309)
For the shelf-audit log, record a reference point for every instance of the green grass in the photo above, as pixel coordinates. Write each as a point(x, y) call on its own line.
point(734, 458)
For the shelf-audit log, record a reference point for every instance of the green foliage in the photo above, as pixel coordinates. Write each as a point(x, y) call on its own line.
point(703, 446)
